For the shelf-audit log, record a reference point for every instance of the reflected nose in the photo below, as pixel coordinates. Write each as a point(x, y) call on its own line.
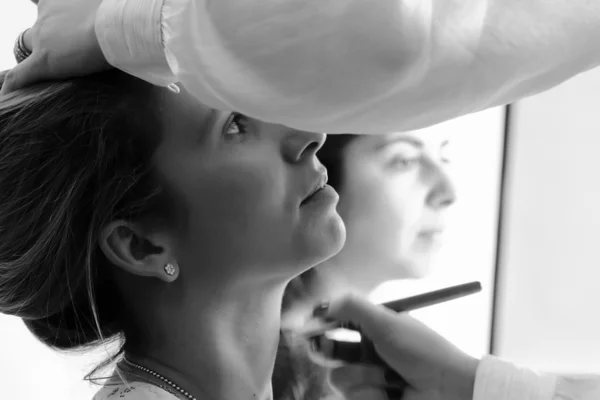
point(300, 145)
point(443, 191)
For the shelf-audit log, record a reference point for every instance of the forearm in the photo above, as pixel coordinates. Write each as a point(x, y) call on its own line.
point(130, 34)
point(353, 66)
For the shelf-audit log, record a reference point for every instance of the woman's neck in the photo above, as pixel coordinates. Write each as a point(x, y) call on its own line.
point(324, 283)
point(221, 347)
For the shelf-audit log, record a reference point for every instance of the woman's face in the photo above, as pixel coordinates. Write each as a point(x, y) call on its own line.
point(393, 198)
point(246, 187)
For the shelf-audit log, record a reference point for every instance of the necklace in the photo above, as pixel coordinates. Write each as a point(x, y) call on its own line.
point(166, 388)
point(162, 378)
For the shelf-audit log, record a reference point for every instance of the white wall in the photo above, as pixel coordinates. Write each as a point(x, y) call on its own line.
point(15, 16)
point(550, 281)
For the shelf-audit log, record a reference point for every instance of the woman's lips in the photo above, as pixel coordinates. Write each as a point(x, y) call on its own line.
point(430, 233)
point(308, 198)
point(317, 186)
point(325, 195)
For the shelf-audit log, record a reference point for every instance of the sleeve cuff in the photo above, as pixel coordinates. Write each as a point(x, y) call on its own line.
point(501, 380)
point(130, 35)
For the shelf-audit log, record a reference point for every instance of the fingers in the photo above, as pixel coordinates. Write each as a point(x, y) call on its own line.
point(357, 355)
point(362, 352)
point(26, 73)
point(377, 322)
point(354, 379)
point(347, 376)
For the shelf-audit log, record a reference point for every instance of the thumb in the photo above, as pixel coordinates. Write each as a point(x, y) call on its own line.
point(28, 72)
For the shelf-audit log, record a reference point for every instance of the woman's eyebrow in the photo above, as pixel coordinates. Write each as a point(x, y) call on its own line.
point(398, 139)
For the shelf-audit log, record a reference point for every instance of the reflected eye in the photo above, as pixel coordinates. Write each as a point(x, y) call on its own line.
point(446, 153)
point(234, 127)
point(403, 155)
point(402, 163)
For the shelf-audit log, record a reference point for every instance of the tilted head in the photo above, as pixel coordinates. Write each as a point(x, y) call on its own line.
point(106, 179)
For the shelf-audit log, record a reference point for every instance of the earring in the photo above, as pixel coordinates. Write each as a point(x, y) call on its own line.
point(170, 269)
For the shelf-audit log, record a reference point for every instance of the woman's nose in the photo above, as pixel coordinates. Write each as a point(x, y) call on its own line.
point(443, 191)
point(300, 145)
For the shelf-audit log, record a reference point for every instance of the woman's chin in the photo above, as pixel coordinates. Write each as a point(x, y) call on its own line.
point(419, 267)
point(326, 242)
point(335, 237)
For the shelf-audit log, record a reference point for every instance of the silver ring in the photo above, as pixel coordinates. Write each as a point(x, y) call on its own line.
point(20, 51)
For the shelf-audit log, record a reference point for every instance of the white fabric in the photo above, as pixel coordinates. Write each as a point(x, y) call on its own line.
point(353, 65)
point(501, 380)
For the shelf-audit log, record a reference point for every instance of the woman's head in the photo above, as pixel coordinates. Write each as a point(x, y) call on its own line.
point(105, 179)
point(394, 190)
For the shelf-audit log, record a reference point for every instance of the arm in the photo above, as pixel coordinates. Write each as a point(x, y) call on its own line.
point(354, 65)
point(434, 368)
point(500, 380)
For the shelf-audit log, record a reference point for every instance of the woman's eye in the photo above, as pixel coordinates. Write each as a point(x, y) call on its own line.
point(445, 155)
point(234, 126)
point(402, 163)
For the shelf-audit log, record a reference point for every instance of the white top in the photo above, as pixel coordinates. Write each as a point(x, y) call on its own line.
point(353, 65)
point(500, 380)
point(496, 380)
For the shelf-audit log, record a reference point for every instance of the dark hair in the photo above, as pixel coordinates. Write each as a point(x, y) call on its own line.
point(332, 155)
point(74, 155)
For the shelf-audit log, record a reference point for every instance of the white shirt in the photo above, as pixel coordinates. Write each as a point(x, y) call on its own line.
point(355, 66)
point(501, 380)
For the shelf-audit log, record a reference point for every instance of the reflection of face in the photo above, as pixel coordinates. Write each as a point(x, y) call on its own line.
point(242, 183)
point(394, 194)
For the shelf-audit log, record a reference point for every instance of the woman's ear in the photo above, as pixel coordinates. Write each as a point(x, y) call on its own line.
point(129, 247)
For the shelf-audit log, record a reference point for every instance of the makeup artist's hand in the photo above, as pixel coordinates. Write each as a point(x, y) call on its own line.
point(63, 44)
point(432, 367)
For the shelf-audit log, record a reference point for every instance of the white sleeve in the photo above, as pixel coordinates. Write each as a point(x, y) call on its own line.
point(353, 65)
point(501, 380)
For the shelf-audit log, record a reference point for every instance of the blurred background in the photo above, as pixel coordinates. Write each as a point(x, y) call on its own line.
point(526, 224)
